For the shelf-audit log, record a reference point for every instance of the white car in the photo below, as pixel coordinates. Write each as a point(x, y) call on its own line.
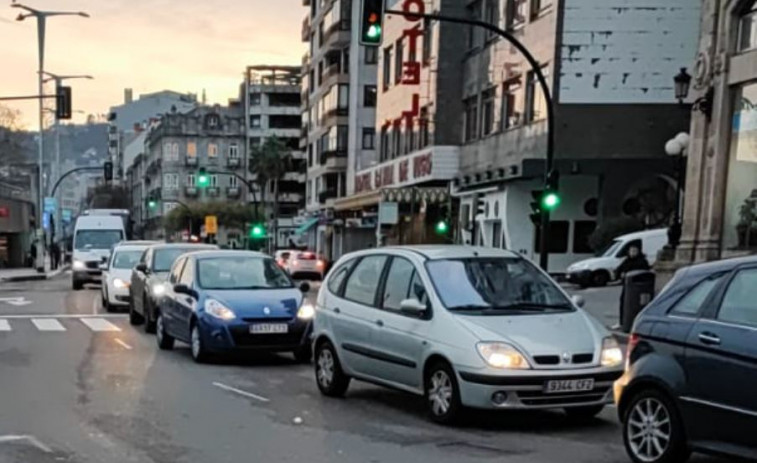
point(116, 273)
point(306, 265)
point(463, 327)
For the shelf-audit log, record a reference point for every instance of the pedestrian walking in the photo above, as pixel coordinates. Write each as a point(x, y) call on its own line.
point(33, 254)
point(55, 255)
point(635, 260)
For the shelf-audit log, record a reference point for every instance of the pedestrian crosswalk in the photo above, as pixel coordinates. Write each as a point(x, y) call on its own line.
point(53, 324)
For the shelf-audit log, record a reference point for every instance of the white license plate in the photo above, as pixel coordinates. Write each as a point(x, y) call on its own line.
point(269, 328)
point(568, 385)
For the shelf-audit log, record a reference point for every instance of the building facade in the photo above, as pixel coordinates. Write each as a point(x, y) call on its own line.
point(339, 96)
point(610, 69)
point(720, 207)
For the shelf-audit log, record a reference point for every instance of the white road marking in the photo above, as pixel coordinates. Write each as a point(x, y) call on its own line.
point(4, 325)
point(48, 324)
point(99, 324)
point(240, 392)
point(94, 306)
point(65, 316)
point(31, 439)
point(17, 301)
point(122, 344)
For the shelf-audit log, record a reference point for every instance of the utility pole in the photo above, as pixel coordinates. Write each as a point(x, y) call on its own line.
point(41, 17)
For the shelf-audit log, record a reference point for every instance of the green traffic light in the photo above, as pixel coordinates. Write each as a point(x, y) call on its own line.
point(257, 231)
point(374, 32)
point(551, 201)
point(202, 180)
point(152, 204)
point(442, 227)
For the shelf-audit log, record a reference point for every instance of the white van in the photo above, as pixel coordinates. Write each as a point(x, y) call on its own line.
point(94, 237)
point(598, 271)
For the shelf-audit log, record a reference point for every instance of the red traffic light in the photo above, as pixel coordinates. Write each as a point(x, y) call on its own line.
point(373, 18)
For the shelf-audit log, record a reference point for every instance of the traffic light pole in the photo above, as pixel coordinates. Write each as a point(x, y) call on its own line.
point(72, 171)
point(246, 183)
point(536, 68)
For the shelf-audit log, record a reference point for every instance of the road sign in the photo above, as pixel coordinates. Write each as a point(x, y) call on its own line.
point(50, 204)
point(388, 213)
point(46, 220)
point(211, 224)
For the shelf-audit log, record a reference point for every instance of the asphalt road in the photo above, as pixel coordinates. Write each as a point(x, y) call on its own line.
point(77, 385)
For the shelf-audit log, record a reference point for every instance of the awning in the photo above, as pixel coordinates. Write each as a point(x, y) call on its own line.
point(306, 226)
point(358, 201)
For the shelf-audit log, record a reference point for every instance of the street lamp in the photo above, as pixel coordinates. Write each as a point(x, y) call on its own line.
point(682, 82)
point(677, 148)
point(703, 104)
point(41, 17)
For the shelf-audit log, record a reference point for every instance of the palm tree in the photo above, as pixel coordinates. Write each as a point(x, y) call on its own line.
point(269, 162)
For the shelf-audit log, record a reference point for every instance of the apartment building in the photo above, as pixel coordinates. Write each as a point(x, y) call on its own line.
point(339, 96)
point(610, 67)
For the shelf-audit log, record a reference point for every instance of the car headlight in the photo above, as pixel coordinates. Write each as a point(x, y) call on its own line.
point(158, 289)
point(306, 312)
point(79, 265)
point(120, 284)
point(501, 355)
point(218, 310)
point(612, 355)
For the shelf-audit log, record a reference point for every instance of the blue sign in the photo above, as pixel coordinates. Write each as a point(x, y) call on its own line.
point(66, 215)
point(51, 204)
point(46, 221)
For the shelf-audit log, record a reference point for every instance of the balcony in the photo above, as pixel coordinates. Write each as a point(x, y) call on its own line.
point(191, 191)
point(337, 36)
point(233, 191)
point(232, 162)
point(306, 29)
point(325, 195)
point(191, 160)
point(213, 191)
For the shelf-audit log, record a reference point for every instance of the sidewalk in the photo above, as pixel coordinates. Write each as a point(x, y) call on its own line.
point(30, 274)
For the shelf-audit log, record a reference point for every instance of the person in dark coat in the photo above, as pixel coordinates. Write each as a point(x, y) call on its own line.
point(634, 260)
point(55, 255)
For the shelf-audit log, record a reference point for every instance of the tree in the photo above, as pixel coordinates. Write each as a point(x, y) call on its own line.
point(12, 136)
point(269, 162)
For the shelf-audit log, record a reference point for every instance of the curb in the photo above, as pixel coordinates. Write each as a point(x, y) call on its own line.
point(36, 277)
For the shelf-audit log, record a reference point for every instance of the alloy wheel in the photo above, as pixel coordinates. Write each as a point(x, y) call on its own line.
point(325, 368)
point(649, 430)
point(440, 393)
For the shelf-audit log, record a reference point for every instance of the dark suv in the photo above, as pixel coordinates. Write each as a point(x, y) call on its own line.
point(691, 379)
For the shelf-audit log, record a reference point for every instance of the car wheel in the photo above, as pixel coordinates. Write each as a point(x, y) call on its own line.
point(652, 430)
point(584, 413)
point(134, 318)
point(199, 352)
point(600, 278)
point(442, 394)
point(331, 379)
point(150, 325)
point(304, 354)
point(165, 340)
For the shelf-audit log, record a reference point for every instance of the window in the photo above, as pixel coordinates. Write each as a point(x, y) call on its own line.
point(516, 13)
point(166, 151)
point(212, 150)
point(255, 122)
point(387, 67)
point(335, 281)
point(417, 290)
point(176, 272)
point(511, 117)
point(475, 33)
point(497, 234)
point(487, 111)
point(398, 58)
point(397, 141)
point(363, 282)
point(537, 6)
point(536, 103)
point(371, 55)
point(427, 37)
point(191, 149)
point(369, 96)
point(233, 151)
point(558, 237)
point(175, 152)
point(191, 180)
point(397, 286)
point(471, 118)
point(582, 232)
point(255, 99)
point(213, 181)
point(171, 181)
point(491, 16)
point(369, 138)
point(423, 123)
point(738, 304)
point(693, 300)
point(187, 273)
point(233, 181)
point(384, 144)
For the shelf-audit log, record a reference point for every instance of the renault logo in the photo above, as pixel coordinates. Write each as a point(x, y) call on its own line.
point(566, 357)
point(266, 311)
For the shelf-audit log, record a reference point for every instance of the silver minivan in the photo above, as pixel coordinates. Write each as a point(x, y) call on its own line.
point(463, 327)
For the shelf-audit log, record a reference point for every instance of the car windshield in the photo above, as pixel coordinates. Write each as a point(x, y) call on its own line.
point(239, 273)
point(97, 239)
point(164, 258)
point(126, 259)
point(611, 249)
point(489, 285)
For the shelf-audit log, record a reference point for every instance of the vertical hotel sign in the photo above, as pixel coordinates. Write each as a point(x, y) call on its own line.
point(411, 67)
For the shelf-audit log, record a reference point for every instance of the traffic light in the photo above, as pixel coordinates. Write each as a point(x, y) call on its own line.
point(108, 171)
point(63, 102)
point(202, 179)
point(551, 198)
point(536, 207)
point(257, 231)
point(371, 26)
point(152, 204)
point(442, 227)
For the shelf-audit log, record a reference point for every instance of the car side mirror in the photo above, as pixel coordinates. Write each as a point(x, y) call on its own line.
point(141, 267)
point(184, 289)
point(578, 301)
point(413, 307)
point(305, 287)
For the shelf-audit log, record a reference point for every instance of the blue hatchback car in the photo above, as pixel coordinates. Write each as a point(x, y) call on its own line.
point(689, 384)
point(225, 301)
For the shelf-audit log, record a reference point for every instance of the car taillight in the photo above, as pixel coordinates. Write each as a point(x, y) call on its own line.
point(320, 263)
point(633, 341)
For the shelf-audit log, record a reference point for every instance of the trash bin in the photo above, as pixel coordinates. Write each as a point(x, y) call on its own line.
point(638, 291)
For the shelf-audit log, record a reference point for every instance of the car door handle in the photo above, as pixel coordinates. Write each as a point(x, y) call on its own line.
point(380, 323)
point(709, 339)
point(336, 310)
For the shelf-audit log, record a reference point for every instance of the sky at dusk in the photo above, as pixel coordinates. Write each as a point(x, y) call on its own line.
point(148, 45)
